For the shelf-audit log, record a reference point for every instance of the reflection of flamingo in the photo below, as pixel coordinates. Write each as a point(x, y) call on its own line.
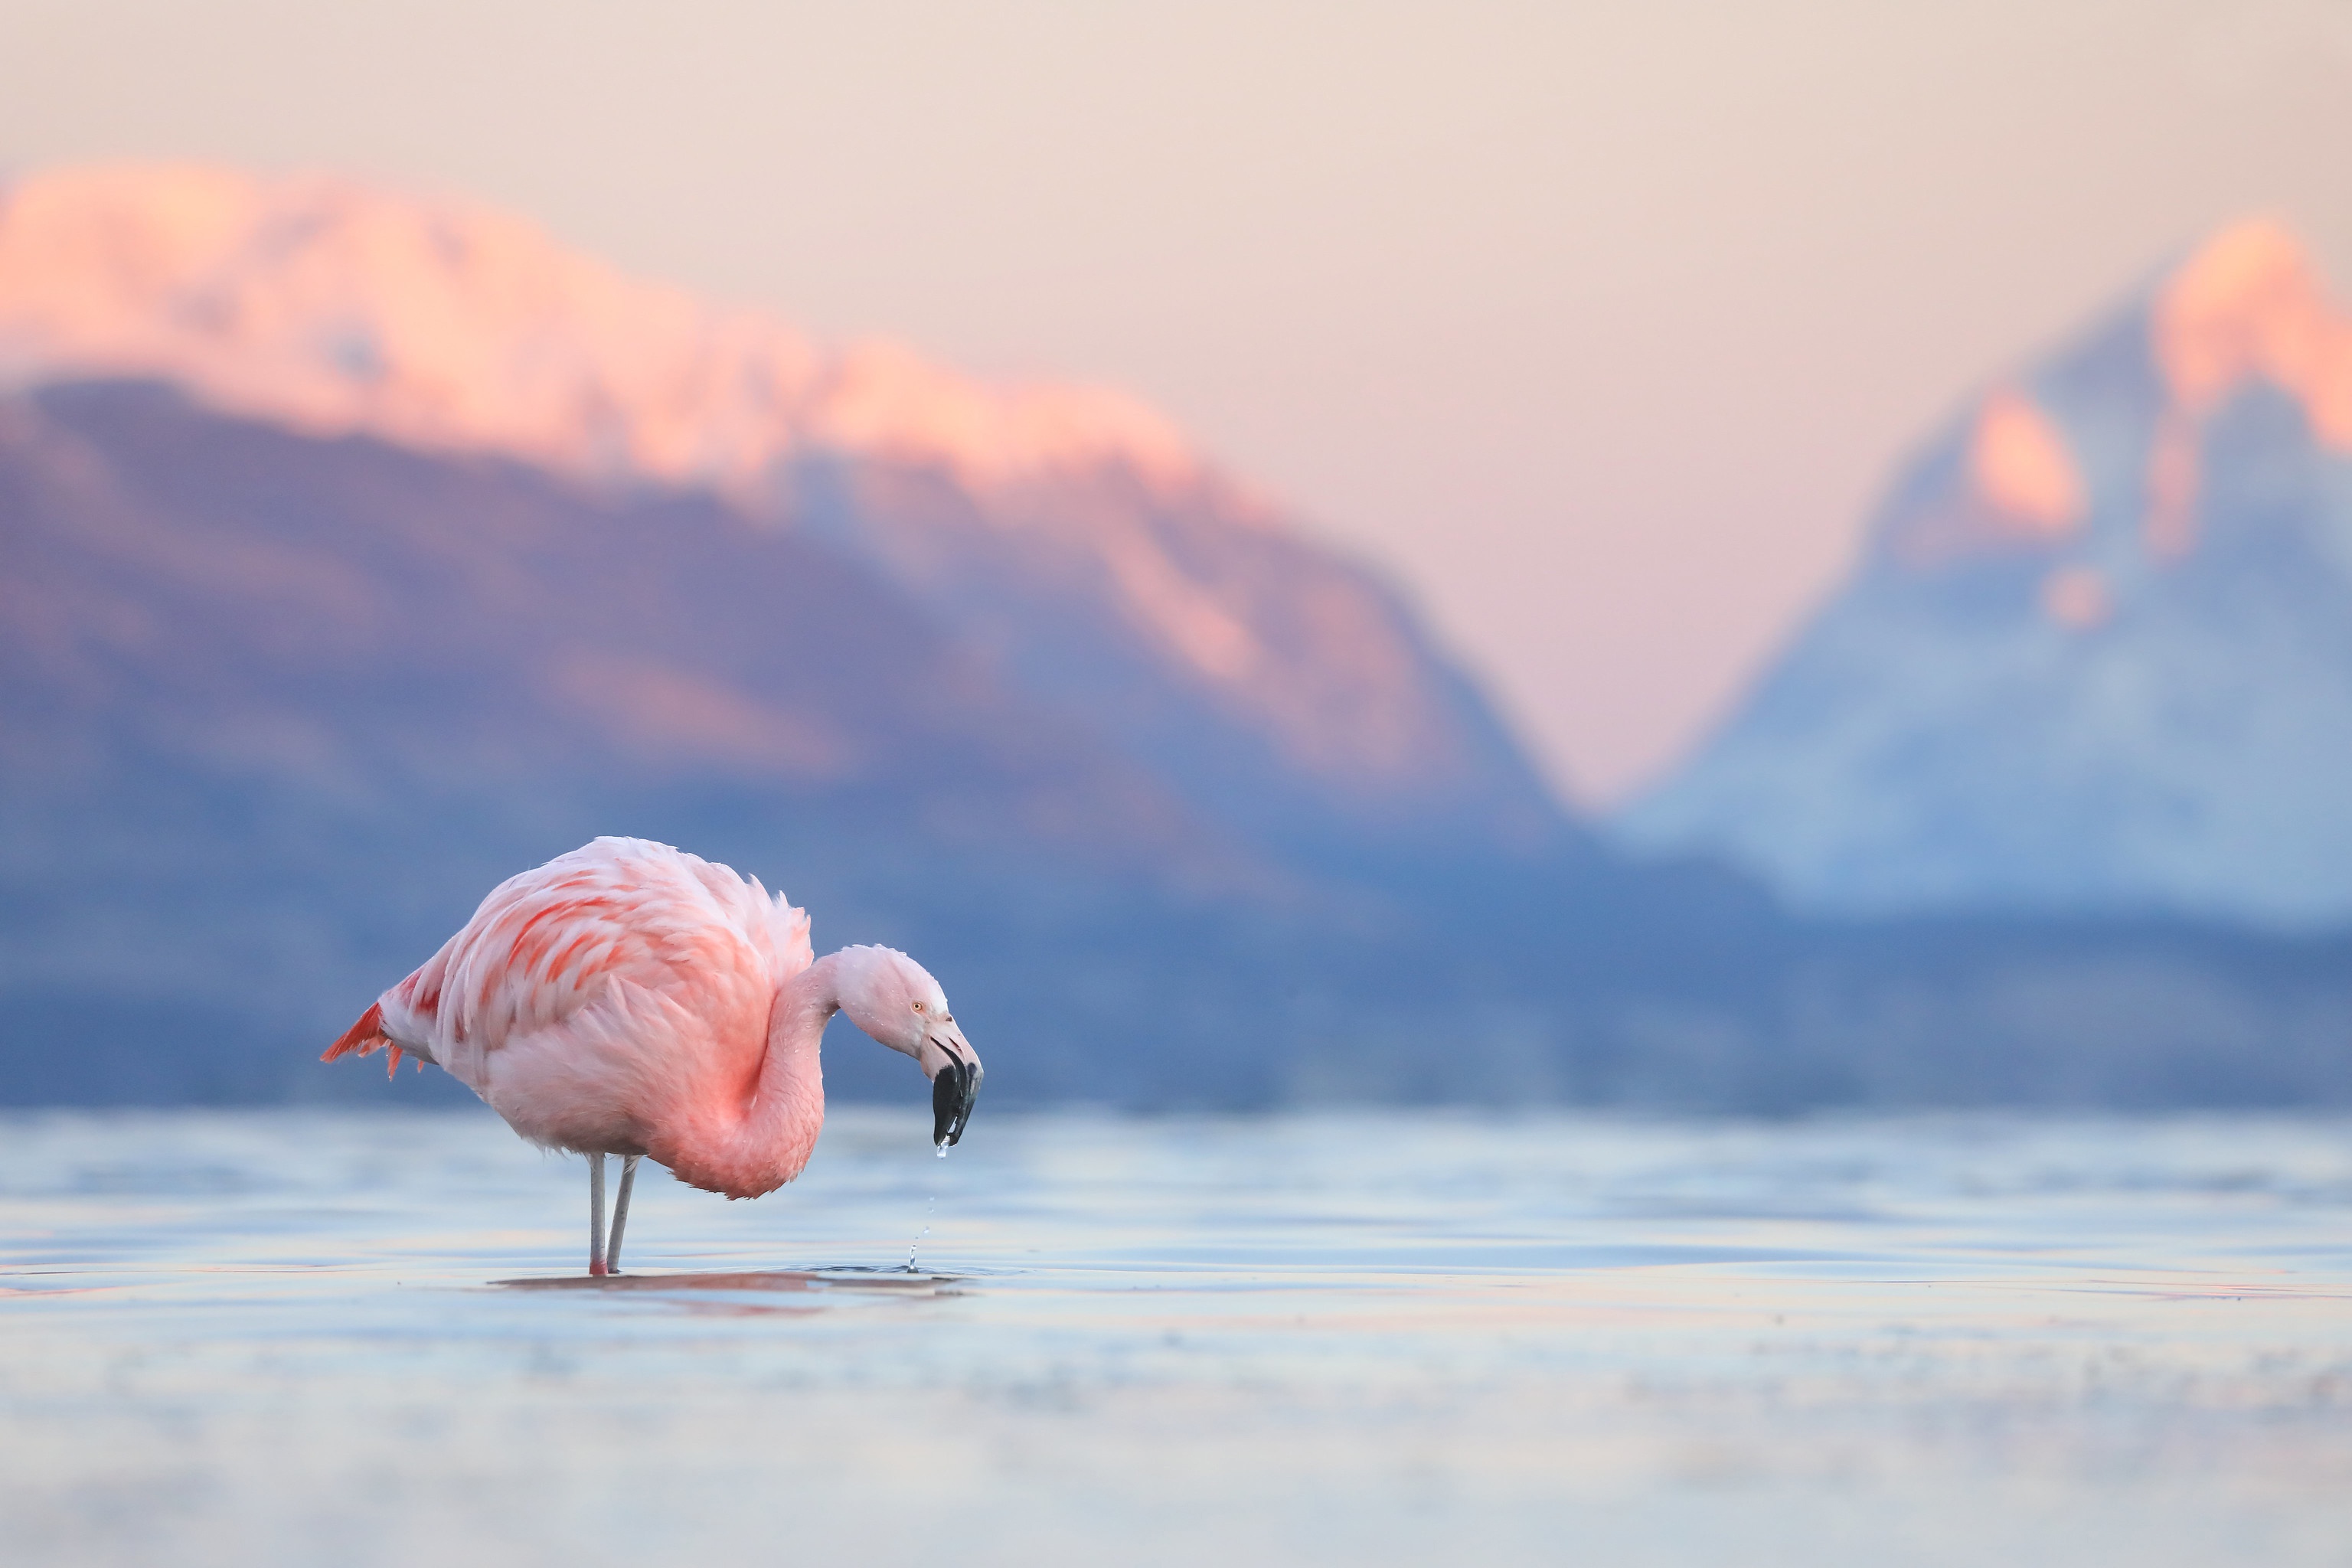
point(630, 999)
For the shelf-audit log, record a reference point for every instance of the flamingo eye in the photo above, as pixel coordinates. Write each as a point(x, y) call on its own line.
point(919, 1007)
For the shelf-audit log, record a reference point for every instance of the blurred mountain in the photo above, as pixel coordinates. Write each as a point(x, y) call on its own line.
point(1066, 539)
point(357, 552)
point(2097, 653)
point(360, 551)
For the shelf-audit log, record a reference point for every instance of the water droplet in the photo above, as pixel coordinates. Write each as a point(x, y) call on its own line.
point(929, 1209)
point(943, 1151)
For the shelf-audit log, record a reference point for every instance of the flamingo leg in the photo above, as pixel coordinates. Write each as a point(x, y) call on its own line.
point(596, 1214)
point(621, 1211)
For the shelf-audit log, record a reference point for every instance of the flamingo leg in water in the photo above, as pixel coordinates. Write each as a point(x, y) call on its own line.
point(596, 1214)
point(621, 1212)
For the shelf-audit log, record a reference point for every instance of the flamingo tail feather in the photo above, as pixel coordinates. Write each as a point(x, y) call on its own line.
point(362, 1037)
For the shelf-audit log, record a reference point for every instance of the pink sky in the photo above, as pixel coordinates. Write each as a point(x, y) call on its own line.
point(1599, 326)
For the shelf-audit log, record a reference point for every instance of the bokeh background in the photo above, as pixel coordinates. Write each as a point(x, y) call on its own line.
point(1482, 651)
point(1623, 724)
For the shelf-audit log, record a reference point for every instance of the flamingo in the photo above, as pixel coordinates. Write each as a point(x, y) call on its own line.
point(628, 998)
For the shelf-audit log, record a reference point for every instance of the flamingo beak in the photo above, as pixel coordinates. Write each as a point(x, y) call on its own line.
point(953, 1089)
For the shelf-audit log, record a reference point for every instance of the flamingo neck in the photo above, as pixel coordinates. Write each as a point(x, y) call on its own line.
point(777, 1132)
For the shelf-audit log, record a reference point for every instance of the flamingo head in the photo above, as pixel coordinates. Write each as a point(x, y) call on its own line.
point(895, 999)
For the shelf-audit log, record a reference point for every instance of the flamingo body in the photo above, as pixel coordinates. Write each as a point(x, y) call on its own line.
point(628, 998)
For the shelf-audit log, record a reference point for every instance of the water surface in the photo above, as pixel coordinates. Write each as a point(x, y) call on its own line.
point(297, 1337)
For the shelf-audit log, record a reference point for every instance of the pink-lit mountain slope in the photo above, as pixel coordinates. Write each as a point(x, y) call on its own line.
point(1065, 540)
point(356, 551)
point(2097, 655)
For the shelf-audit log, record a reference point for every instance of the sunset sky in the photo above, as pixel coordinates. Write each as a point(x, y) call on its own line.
point(1599, 326)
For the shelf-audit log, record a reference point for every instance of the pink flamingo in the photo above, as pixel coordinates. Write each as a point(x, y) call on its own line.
point(628, 998)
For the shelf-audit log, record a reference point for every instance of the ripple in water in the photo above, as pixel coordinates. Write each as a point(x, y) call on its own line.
point(232, 1338)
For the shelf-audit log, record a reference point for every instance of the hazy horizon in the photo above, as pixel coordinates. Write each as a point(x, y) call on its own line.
point(1600, 331)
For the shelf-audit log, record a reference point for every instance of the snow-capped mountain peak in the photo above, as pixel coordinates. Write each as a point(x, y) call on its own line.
point(2098, 652)
point(2247, 304)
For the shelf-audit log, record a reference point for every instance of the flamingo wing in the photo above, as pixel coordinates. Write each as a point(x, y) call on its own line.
point(616, 916)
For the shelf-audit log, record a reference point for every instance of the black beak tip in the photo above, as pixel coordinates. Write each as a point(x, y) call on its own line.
point(952, 1093)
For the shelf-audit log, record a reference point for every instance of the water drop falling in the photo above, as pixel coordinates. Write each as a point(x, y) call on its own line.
point(929, 1209)
point(943, 1151)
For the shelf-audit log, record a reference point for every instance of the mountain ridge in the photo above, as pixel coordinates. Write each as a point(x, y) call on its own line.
point(1256, 664)
point(329, 305)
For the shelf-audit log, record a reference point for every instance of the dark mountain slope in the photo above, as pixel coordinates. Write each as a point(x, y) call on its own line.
point(278, 709)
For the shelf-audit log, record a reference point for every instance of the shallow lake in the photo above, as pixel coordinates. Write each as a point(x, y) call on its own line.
point(287, 1338)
